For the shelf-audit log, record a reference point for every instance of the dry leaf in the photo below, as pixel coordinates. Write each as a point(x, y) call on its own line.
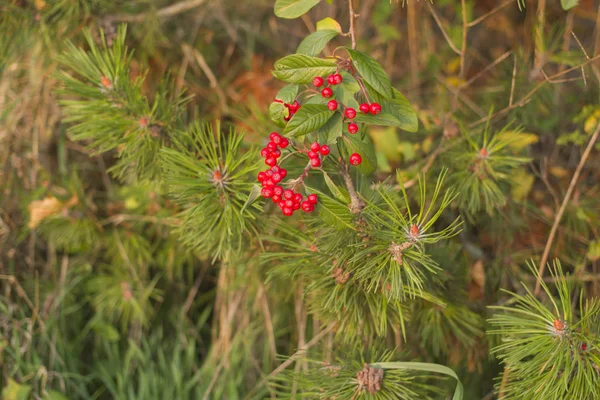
point(477, 280)
point(39, 210)
point(39, 4)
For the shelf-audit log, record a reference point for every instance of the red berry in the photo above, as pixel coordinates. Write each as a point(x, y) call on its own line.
point(275, 137)
point(276, 198)
point(294, 107)
point(375, 108)
point(352, 128)
point(281, 203)
point(287, 211)
point(278, 190)
point(289, 203)
point(264, 153)
point(327, 92)
point(315, 146)
point(276, 153)
point(270, 161)
point(269, 182)
point(325, 150)
point(277, 177)
point(284, 143)
point(355, 159)
point(297, 197)
point(307, 206)
point(311, 154)
point(364, 108)
point(271, 146)
point(337, 79)
point(269, 173)
point(266, 192)
point(350, 112)
point(318, 81)
point(332, 105)
point(288, 194)
point(312, 198)
point(261, 176)
point(274, 169)
point(315, 162)
point(283, 173)
point(331, 80)
point(296, 206)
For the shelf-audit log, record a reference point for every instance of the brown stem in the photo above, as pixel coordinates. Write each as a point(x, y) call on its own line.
point(356, 203)
point(563, 206)
point(352, 16)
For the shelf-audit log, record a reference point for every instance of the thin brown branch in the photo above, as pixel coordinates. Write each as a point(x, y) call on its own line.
point(486, 69)
point(352, 16)
point(563, 206)
point(512, 82)
point(439, 24)
point(299, 353)
point(356, 203)
point(463, 49)
point(489, 13)
point(166, 12)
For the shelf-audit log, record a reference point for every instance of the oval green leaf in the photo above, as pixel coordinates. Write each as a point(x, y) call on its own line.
point(300, 68)
point(314, 43)
point(291, 9)
point(371, 72)
point(308, 119)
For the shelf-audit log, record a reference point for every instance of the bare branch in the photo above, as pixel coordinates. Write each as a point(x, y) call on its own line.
point(166, 12)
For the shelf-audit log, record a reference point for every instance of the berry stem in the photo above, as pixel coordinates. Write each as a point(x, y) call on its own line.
point(352, 16)
point(300, 180)
point(362, 87)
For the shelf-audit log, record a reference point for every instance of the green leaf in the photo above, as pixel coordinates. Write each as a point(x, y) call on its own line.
point(277, 111)
point(366, 149)
point(15, 391)
point(349, 83)
point(333, 212)
point(314, 43)
point(291, 9)
point(54, 395)
point(337, 193)
point(287, 94)
point(308, 119)
point(568, 4)
point(383, 119)
point(333, 129)
point(371, 72)
point(401, 108)
point(345, 97)
point(252, 196)
point(428, 367)
point(300, 68)
point(329, 23)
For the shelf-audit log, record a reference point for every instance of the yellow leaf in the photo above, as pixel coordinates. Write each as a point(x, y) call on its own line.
point(590, 123)
point(39, 4)
point(329, 23)
point(518, 140)
point(39, 210)
point(558, 172)
point(454, 81)
point(522, 182)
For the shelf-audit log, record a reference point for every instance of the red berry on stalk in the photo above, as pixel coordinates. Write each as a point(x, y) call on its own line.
point(270, 161)
point(274, 169)
point(287, 211)
point(325, 150)
point(327, 92)
point(355, 159)
point(312, 198)
point(337, 79)
point(284, 143)
point(266, 192)
point(352, 128)
point(288, 194)
point(269, 172)
point(315, 162)
point(289, 203)
point(261, 176)
point(350, 112)
point(375, 108)
point(331, 80)
point(264, 153)
point(269, 182)
point(311, 154)
point(277, 177)
point(318, 81)
point(315, 146)
point(283, 173)
point(278, 190)
point(271, 146)
point(296, 206)
point(307, 206)
point(332, 105)
point(281, 204)
point(275, 137)
point(276, 153)
point(364, 108)
point(297, 197)
point(276, 198)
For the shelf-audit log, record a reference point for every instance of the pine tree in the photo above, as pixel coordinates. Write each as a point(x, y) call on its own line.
point(195, 257)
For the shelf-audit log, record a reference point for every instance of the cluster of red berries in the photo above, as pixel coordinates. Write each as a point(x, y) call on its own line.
point(333, 79)
point(315, 150)
point(271, 153)
point(292, 108)
point(289, 200)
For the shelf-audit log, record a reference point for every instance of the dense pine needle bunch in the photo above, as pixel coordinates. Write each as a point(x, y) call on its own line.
point(203, 200)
